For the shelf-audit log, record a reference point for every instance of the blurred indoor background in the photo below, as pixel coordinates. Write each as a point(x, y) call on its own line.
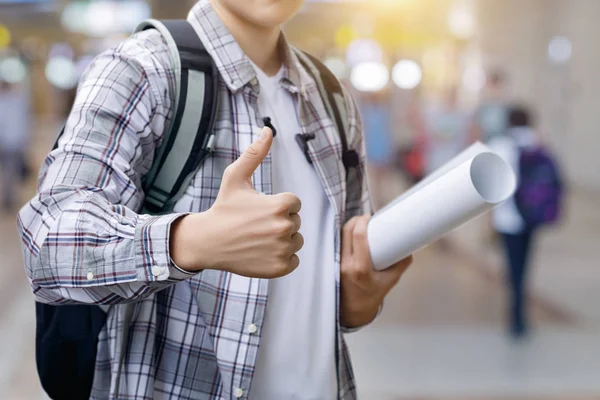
point(421, 71)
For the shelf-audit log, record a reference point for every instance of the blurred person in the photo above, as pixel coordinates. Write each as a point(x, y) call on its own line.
point(199, 316)
point(376, 119)
point(442, 130)
point(14, 138)
point(411, 157)
point(491, 117)
point(537, 202)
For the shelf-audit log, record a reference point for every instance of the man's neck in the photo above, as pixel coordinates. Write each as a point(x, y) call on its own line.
point(260, 44)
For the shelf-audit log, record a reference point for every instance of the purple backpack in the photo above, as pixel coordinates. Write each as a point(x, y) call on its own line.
point(540, 192)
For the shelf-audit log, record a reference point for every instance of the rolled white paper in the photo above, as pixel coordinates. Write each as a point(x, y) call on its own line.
point(451, 197)
point(466, 155)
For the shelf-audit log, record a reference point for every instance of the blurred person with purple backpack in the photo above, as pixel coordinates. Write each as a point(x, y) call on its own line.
point(536, 203)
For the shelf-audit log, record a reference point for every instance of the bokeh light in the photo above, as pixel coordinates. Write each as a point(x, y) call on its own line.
point(102, 17)
point(461, 22)
point(370, 77)
point(474, 79)
point(5, 37)
point(61, 72)
point(560, 50)
point(13, 70)
point(407, 74)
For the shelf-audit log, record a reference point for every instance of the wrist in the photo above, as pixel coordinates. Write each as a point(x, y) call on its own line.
point(359, 316)
point(186, 234)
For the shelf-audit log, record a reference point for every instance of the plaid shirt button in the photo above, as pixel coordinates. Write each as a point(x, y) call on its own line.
point(238, 392)
point(252, 328)
point(156, 271)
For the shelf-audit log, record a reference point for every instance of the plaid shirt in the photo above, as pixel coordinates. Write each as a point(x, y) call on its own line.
point(84, 241)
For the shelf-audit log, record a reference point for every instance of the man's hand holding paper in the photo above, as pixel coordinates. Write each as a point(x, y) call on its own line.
point(474, 182)
point(362, 287)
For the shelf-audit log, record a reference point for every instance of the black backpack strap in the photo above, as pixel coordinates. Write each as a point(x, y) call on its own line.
point(189, 139)
point(333, 97)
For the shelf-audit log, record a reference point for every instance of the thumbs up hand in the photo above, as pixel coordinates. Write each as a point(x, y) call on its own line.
point(244, 232)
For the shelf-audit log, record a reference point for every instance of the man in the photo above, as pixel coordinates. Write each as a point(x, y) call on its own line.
point(518, 238)
point(198, 277)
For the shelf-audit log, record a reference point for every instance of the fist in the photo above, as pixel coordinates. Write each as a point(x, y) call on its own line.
point(244, 232)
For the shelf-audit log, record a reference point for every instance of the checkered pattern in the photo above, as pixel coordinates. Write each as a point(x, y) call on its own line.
point(84, 242)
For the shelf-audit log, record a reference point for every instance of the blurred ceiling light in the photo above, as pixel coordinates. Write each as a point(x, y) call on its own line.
point(461, 22)
point(362, 51)
point(5, 37)
point(74, 16)
point(370, 77)
point(61, 72)
point(407, 74)
point(474, 79)
point(560, 50)
point(13, 70)
point(337, 66)
point(104, 17)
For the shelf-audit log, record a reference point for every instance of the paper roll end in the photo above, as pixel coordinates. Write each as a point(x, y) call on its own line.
point(493, 178)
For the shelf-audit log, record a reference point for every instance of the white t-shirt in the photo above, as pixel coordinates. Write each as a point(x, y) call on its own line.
point(296, 357)
point(506, 216)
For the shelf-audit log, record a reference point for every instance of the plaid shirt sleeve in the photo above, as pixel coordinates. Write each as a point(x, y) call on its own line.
point(83, 240)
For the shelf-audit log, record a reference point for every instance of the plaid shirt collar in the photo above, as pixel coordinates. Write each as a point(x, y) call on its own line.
point(233, 64)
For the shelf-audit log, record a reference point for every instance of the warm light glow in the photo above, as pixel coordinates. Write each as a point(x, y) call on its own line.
point(407, 74)
point(461, 22)
point(370, 77)
point(344, 36)
point(5, 37)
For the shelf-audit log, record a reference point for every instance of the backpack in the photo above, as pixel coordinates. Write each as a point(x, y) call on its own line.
point(67, 336)
point(539, 195)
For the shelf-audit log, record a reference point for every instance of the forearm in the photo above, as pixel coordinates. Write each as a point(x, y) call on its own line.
point(78, 247)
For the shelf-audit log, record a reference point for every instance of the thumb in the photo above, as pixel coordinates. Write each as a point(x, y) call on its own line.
point(243, 168)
